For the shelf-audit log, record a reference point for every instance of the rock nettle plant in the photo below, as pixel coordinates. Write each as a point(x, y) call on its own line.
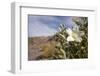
point(73, 43)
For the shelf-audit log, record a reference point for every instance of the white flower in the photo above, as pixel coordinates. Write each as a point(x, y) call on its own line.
point(69, 38)
point(74, 35)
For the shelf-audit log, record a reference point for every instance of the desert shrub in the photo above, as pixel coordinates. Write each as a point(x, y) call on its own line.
point(74, 48)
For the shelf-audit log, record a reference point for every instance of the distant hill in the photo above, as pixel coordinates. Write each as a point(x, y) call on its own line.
point(39, 46)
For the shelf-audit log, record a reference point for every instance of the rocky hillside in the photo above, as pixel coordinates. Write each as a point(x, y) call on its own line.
point(37, 46)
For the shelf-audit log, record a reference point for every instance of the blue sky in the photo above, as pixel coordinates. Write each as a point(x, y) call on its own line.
point(46, 25)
